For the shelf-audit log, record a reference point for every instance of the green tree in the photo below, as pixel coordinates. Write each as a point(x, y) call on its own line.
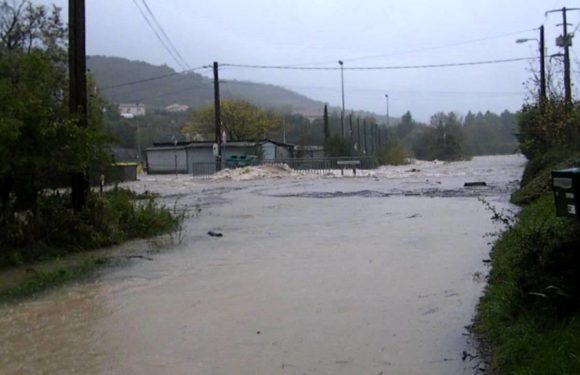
point(392, 152)
point(555, 127)
point(240, 120)
point(326, 124)
point(39, 141)
point(337, 146)
point(442, 140)
point(406, 126)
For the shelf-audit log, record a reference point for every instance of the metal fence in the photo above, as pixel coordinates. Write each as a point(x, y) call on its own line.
point(307, 165)
point(203, 169)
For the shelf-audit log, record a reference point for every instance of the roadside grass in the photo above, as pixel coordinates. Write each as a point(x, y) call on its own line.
point(530, 313)
point(38, 281)
point(42, 249)
point(536, 180)
point(56, 230)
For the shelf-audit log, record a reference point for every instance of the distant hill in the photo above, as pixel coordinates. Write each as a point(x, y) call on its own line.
point(191, 89)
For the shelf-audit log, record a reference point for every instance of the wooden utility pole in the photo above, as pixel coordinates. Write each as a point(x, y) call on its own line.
point(217, 117)
point(565, 41)
point(371, 136)
point(358, 144)
point(350, 129)
point(543, 91)
point(78, 90)
point(342, 89)
point(365, 134)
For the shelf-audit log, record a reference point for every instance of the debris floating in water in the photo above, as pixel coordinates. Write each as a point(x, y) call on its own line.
point(215, 234)
point(476, 183)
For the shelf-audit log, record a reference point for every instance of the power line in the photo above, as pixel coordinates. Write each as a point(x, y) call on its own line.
point(169, 93)
point(367, 90)
point(443, 46)
point(393, 67)
point(576, 29)
point(168, 40)
point(161, 40)
point(153, 78)
point(465, 42)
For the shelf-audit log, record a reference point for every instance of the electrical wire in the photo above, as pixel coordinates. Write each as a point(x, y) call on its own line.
point(153, 78)
point(461, 43)
point(164, 34)
point(393, 67)
point(158, 36)
point(472, 63)
point(431, 92)
point(576, 29)
point(405, 52)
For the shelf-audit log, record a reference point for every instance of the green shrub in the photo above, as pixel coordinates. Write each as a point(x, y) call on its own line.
point(392, 153)
point(537, 178)
point(530, 311)
point(55, 229)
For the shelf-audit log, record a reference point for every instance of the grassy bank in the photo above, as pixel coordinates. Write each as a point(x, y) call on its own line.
point(529, 317)
point(35, 279)
point(44, 244)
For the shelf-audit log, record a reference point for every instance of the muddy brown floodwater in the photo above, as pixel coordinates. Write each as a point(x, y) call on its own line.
point(377, 274)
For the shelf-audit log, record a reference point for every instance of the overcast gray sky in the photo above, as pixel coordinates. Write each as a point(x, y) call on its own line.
point(361, 33)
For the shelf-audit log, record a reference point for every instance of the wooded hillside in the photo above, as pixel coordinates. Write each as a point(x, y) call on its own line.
point(191, 89)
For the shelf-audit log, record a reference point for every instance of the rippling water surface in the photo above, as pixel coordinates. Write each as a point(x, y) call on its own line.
point(377, 274)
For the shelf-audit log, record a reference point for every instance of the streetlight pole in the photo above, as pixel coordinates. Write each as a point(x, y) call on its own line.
point(342, 88)
point(388, 120)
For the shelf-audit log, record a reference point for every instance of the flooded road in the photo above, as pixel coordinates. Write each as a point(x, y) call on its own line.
point(377, 274)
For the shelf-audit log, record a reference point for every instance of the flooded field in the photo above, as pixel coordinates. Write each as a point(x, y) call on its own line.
point(313, 274)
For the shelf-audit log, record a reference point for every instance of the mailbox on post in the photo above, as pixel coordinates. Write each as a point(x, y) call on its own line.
point(566, 187)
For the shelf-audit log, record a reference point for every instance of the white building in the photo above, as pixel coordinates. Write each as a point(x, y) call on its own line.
point(177, 108)
point(130, 110)
point(198, 157)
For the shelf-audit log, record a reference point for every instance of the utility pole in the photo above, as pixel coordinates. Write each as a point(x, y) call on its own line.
point(567, 78)
point(342, 88)
point(217, 116)
point(358, 134)
point(565, 41)
point(543, 91)
point(372, 131)
point(78, 90)
point(388, 121)
point(350, 128)
point(542, 49)
point(365, 134)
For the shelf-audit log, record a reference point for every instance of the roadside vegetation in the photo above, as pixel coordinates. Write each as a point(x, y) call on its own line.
point(529, 317)
point(55, 230)
point(41, 146)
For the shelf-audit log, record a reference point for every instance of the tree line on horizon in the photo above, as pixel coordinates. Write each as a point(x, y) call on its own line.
point(446, 137)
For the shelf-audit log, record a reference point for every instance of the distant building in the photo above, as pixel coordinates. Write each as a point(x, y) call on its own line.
point(177, 108)
point(310, 114)
point(189, 157)
point(313, 152)
point(130, 110)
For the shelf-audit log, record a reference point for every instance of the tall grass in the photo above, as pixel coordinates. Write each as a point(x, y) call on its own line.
point(54, 229)
point(530, 311)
